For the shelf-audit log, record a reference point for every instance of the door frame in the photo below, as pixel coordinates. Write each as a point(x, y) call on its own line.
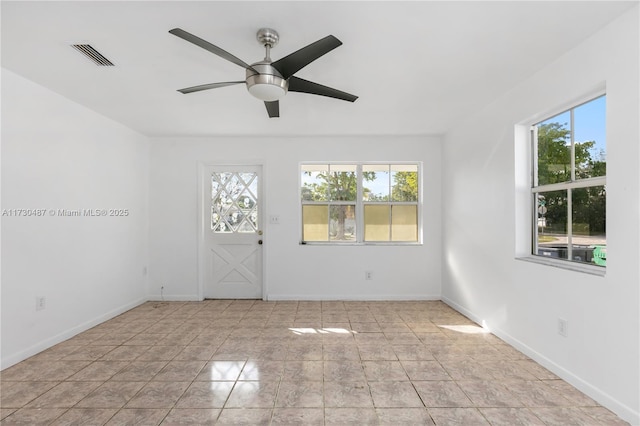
point(203, 167)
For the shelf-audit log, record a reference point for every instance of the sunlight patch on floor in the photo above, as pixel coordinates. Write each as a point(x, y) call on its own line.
point(467, 329)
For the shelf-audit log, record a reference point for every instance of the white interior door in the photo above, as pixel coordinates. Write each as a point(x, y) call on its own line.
point(232, 243)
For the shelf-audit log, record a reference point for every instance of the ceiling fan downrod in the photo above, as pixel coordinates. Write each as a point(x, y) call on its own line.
point(268, 38)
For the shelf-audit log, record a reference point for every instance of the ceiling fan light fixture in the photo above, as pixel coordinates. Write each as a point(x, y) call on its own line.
point(267, 87)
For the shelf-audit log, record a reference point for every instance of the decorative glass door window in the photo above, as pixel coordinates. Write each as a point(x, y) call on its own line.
point(234, 202)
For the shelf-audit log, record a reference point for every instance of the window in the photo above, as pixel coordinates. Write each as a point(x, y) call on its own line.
point(569, 185)
point(234, 202)
point(360, 203)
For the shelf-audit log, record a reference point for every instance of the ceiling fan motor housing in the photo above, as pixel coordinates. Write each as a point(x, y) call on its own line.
point(268, 84)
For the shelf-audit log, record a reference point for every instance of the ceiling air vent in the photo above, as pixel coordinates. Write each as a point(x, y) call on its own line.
point(91, 53)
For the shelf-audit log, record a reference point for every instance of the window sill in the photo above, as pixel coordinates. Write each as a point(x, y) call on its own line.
point(566, 264)
point(360, 244)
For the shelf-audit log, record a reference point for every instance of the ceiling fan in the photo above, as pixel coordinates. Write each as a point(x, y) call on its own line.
point(270, 81)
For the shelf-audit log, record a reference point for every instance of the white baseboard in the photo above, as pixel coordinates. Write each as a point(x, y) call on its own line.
point(67, 334)
point(625, 412)
point(174, 298)
point(351, 297)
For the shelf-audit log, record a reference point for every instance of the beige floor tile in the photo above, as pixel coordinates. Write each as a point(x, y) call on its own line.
point(111, 395)
point(255, 362)
point(347, 394)
point(298, 416)
point(572, 394)
point(125, 353)
point(563, 416)
point(205, 395)
point(221, 370)
point(489, 394)
point(160, 353)
point(139, 371)
point(245, 416)
point(394, 395)
point(306, 394)
point(442, 394)
point(425, 370)
point(305, 352)
point(465, 369)
point(511, 417)
point(413, 352)
point(536, 394)
point(158, 395)
point(99, 371)
point(85, 416)
point(33, 416)
point(56, 352)
point(258, 394)
point(199, 417)
point(4, 412)
point(64, 395)
point(89, 353)
point(344, 371)
point(457, 416)
point(50, 371)
point(179, 371)
point(377, 352)
point(303, 370)
point(604, 416)
point(196, 353)
point(384, 371)
point(262, 370)
point(404, 416)
point(138, 417)
point(333, 351)
point(350, 416)
point(20, 394)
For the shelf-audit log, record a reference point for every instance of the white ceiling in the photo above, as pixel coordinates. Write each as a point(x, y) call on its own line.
point(417, 66)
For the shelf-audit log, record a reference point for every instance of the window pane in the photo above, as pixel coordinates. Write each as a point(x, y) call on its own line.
point(314, 181)
point(589, 225)
point(343, 184)
point(404, 223)
point(315, 223)
point(404, 179)
point(342, 225)
point(554, 150)
point(375, 182)
point(552, 224)
point(376, 222)
point(590, 139)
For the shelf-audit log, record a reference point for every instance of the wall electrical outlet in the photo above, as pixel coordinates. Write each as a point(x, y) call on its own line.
point(563, 327)
point(368, 275)
point(41, 303)
point(274, 219)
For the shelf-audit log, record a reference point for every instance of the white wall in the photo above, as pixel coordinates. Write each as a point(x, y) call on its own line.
point(293, 271)
point(59, 155)
point(522, 301)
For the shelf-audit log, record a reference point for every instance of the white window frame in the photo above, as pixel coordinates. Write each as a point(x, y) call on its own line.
point(360, 203)
point(535, 189)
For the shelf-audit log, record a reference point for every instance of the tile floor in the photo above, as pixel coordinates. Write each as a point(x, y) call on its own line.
point(298, 363)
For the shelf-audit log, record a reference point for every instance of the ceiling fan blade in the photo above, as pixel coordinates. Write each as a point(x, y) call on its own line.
point(299, 59)
point(208, 86)
point(210, 47)
point(273, 108)
point(304, 86)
